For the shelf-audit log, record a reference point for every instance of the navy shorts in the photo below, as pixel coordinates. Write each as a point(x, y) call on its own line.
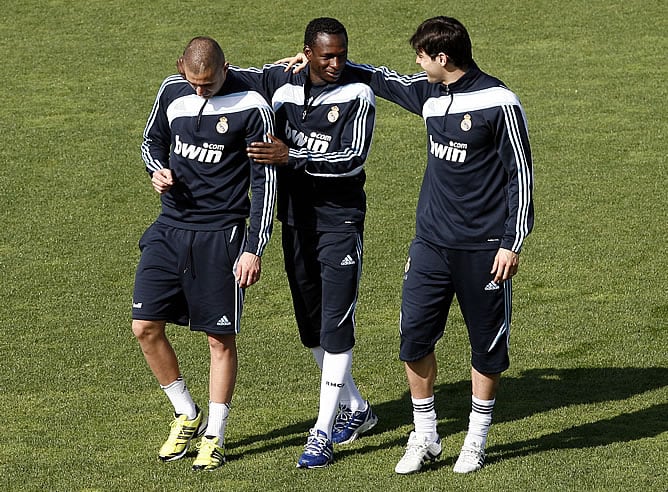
point(433, 276)
point(323, 270)
point(187, 277)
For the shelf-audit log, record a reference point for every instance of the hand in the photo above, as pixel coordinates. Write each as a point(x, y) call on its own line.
point(272, 153)
point(162, 180)
point(248, 269)
point(505, 265)
point(299, 62)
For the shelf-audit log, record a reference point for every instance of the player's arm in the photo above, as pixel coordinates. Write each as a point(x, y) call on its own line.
point(156, 142)
point(408, 91)
point(267, 150)
point(513, 148)
point(264, 80)
point(272, 151)
point(263, 197)
point(405, 90)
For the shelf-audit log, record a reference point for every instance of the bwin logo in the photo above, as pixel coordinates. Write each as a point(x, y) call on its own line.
point(209, 153)
point(447, 152)
point(316, 142)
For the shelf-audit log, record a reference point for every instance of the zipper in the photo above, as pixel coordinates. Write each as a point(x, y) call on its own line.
point(447, 110)
point(199, 115)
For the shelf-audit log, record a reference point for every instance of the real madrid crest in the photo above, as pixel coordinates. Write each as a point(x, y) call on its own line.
point(222, 126)
point(465, 125)
point(333, 114)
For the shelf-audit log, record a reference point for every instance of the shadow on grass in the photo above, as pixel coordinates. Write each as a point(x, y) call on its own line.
point(648, 422)
point(532, 392)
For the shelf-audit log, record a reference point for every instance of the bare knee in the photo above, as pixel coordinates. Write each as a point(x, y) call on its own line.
point(147, 329)
point(222, 344)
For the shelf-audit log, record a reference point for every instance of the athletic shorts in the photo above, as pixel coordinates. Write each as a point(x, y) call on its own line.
point(433, 276)
point(187, 277)
point(323, 270)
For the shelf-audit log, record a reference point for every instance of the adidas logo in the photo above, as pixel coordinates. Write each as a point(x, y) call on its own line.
point(492, 286)
point(223, 321)
point(136, 305)
point(348, 260)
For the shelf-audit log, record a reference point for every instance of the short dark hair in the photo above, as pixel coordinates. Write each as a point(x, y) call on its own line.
point(443, 35)
point(323, 25)
point(203, 51)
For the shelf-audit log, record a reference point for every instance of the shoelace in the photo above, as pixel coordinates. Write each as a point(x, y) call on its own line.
point(416, 447)
point(206, 444)
point(315, 444)
point(471, 454)
point(175, 430)
point(345, 414)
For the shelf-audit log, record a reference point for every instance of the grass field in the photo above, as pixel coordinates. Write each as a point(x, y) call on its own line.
point(584, 405)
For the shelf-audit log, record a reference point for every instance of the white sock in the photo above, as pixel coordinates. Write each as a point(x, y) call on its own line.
point(349, 396)
point(334, 370)
point(480, 419)
point(218, 413)
point(318, 354)
point(179, 396)
point(424, 417)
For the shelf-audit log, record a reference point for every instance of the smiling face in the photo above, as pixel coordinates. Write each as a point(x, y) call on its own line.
point(433, 67)
point(327, 56)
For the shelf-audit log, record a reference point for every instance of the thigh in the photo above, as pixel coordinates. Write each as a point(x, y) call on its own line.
point(427, 294)
point(485, 307)
point(214, 297)
point(158, 293)
point(304, 278)
point(340, 257)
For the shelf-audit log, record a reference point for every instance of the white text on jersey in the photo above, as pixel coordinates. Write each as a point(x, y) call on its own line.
point(316, 142)
point(454, 152)
point(209, 153)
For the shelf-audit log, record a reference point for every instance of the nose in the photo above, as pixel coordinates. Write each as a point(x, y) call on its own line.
point(200, 91)
point(417, 59)
point(336, 63)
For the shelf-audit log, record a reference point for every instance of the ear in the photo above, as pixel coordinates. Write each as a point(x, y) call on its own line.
point(308, 52)
point(180, 66)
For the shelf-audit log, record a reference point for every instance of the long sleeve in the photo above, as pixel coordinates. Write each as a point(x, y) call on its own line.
point(157, 136)
point(408, 91)
point(515, 153)
point(263, 186)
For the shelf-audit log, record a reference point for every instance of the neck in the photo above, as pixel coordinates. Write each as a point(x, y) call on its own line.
point(453, 74)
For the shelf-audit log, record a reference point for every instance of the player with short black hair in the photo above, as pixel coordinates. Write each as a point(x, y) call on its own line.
point(198, 256)
point(323, 25)
point(325, 120)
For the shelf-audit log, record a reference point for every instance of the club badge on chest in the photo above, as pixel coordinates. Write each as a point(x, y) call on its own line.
point(333, 114)
point(222, 126)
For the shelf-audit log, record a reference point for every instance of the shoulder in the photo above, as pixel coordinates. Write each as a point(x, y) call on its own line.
point(267, 70)
point(239, 92)
point(240, 100)
point(493, 90)
point(365, 70)
point(351, 87)
point(173, 84)
point(479, 91)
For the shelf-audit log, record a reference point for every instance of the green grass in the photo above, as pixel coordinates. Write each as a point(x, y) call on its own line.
point(584, 404)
